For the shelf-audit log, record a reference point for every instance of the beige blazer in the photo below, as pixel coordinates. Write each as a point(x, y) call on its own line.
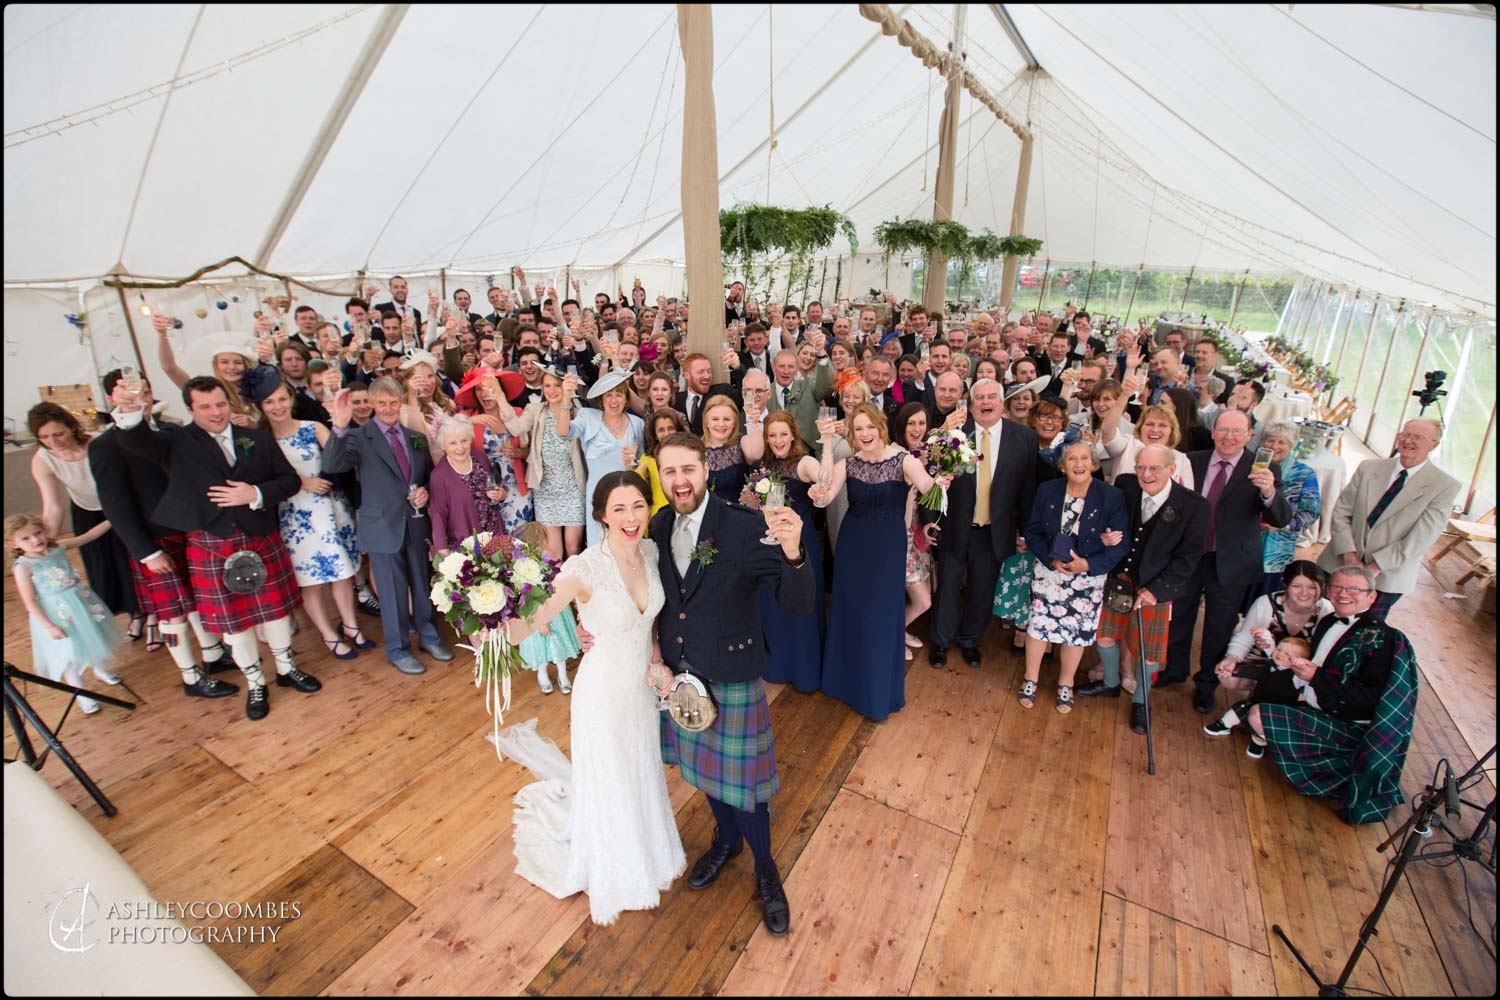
point(1404, 532)
point(529, 423)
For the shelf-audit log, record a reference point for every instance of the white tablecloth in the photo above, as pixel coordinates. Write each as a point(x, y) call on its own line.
point(1330, 470)
point(1283, 407)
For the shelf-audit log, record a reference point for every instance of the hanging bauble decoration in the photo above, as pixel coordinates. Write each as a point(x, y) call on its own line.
point(234, 298)
point(222, 304)
point(201, 313)
point(176, 323)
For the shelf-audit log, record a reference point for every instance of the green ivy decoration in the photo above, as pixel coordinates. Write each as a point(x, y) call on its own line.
point(751, 234)
point(953, 239)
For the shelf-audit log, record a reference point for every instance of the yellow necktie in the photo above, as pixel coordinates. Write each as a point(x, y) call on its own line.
point(982, 482)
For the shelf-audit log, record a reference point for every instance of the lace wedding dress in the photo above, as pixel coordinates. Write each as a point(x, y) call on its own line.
point(604, 823)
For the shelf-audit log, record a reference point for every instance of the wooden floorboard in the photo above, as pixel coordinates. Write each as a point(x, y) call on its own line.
point(1060, 866)
point(1143, 953)
point(863, 945)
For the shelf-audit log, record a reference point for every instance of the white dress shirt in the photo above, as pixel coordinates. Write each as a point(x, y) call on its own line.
point(1409, 472)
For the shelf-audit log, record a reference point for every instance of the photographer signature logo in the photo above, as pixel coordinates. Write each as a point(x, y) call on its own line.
point(70, 919)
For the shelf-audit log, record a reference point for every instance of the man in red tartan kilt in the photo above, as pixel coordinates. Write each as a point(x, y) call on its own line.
point(1168, 524)
point(130, 488)
point(223, 485)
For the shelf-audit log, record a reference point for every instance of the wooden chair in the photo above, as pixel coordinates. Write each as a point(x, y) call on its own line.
point(1479, 534)
point(1340, 412)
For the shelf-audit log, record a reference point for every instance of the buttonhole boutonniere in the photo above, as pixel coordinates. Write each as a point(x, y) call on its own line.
point(416, 441)
point(704, 553)
point(1169, 515)
point(244, 444)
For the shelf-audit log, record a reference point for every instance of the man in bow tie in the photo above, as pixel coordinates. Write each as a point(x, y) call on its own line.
point(1391, 512)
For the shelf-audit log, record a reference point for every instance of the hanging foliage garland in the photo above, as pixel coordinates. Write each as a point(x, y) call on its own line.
point(750, 235)
point(953, 239)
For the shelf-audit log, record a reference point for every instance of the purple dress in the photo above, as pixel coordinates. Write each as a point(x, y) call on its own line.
point(459, 505)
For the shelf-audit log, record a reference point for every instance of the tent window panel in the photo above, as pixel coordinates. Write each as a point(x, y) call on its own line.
point(1405, 351)
point(1377, 346)
point(1466, 410)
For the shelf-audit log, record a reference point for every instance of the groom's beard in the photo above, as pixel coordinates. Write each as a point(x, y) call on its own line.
point(699, 495)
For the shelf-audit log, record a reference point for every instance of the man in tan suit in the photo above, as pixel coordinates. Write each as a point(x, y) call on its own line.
point(1391, 512)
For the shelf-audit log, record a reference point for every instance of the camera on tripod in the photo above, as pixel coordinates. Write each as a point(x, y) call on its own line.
point(1431, 388)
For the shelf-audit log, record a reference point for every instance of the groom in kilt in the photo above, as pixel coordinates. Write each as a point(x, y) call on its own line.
point(712, 569)
point(223, 486)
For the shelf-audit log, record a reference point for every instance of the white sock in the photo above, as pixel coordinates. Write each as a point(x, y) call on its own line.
point(207, 641)
point(279, 638)
point(174, 635)
point(246, 655)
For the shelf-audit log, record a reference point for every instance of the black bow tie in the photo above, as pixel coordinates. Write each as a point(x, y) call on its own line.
point(1343, 620)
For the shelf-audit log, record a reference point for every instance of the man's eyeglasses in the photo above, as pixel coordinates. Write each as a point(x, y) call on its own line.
point(1348, 590)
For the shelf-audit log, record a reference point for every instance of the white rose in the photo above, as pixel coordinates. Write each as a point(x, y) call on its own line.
point(487, 598)
point(452, 564)
point(440, 599)
point(524, 571)
point(763, 487)
point(484, 537)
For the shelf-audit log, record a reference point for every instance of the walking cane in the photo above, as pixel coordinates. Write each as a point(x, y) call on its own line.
point(1145, 681)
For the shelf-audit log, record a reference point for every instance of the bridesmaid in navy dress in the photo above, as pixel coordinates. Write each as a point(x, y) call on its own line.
point(864, 662)
point(728, 449)
point(794, 642)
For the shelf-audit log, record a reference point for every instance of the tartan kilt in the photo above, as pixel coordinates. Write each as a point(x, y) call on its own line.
point(166, 595)
point(1312, 749)
point(223, 612)
point(734, 760)
point(1157, 619)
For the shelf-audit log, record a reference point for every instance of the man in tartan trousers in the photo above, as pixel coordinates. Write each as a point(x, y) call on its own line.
point(1340, 724)
point(712, 569)
point(223, 485)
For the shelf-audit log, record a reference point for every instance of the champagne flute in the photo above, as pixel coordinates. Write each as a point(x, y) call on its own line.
point(411, 498)
point(775, 499)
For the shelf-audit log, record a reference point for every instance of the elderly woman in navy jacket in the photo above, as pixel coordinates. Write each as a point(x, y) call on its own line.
point(1077, 532)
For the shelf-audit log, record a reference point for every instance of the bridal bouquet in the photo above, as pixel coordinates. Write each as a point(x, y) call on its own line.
point(757, 487)
point(948, 453)
point(483, 582)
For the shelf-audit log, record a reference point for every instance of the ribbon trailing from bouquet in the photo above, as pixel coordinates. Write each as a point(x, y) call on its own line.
point(492, 655)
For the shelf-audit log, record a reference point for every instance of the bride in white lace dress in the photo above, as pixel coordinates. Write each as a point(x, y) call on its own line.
point(603, 825)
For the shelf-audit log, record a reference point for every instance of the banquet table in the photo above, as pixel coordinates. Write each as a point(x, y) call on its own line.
point(1331, 473)
point(1283, 404)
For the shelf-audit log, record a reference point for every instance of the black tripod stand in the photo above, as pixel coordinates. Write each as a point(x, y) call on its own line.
point(17, 706)
point(1445, 796)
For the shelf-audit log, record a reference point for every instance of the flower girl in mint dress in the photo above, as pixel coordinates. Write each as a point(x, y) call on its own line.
point(560, 643)
point(71, 629)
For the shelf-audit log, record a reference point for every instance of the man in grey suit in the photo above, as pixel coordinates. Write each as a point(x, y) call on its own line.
point(393, 465)
point(1391, 512)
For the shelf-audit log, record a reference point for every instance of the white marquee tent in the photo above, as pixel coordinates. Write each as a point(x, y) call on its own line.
point(1351, 145)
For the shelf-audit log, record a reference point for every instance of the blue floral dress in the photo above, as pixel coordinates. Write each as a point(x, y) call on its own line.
point(91, 633)
point(1065, 609)
point(515, 509)
point(317, 528)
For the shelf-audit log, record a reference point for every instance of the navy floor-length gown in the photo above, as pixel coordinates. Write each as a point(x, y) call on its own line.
point(864, 661)
point(795, 642)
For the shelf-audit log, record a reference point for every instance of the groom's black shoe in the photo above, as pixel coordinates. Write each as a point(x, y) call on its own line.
point(706, 869)
point(773, 904)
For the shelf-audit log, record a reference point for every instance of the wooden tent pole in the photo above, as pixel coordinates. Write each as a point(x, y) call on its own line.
point(700, 184)
point(935, 291)
point(1017, 222)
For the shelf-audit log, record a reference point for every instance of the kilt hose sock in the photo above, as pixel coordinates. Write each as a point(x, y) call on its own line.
point(246, 653)
point(1109, 658)
point(174, 634)
point(207, 641)
point(279, 638)
point(755, 827)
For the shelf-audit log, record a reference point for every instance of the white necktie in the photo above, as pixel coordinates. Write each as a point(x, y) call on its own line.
point(682, 545)
point(1148, 507)
point(226, 445)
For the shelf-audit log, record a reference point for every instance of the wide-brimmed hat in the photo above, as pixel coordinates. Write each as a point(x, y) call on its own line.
point(199, 356)
point(610, 380)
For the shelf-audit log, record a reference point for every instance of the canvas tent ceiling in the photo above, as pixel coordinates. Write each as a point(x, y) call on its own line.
point(1350, 144)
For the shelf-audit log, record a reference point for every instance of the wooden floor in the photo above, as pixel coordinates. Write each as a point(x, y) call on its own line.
point(965, 846)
